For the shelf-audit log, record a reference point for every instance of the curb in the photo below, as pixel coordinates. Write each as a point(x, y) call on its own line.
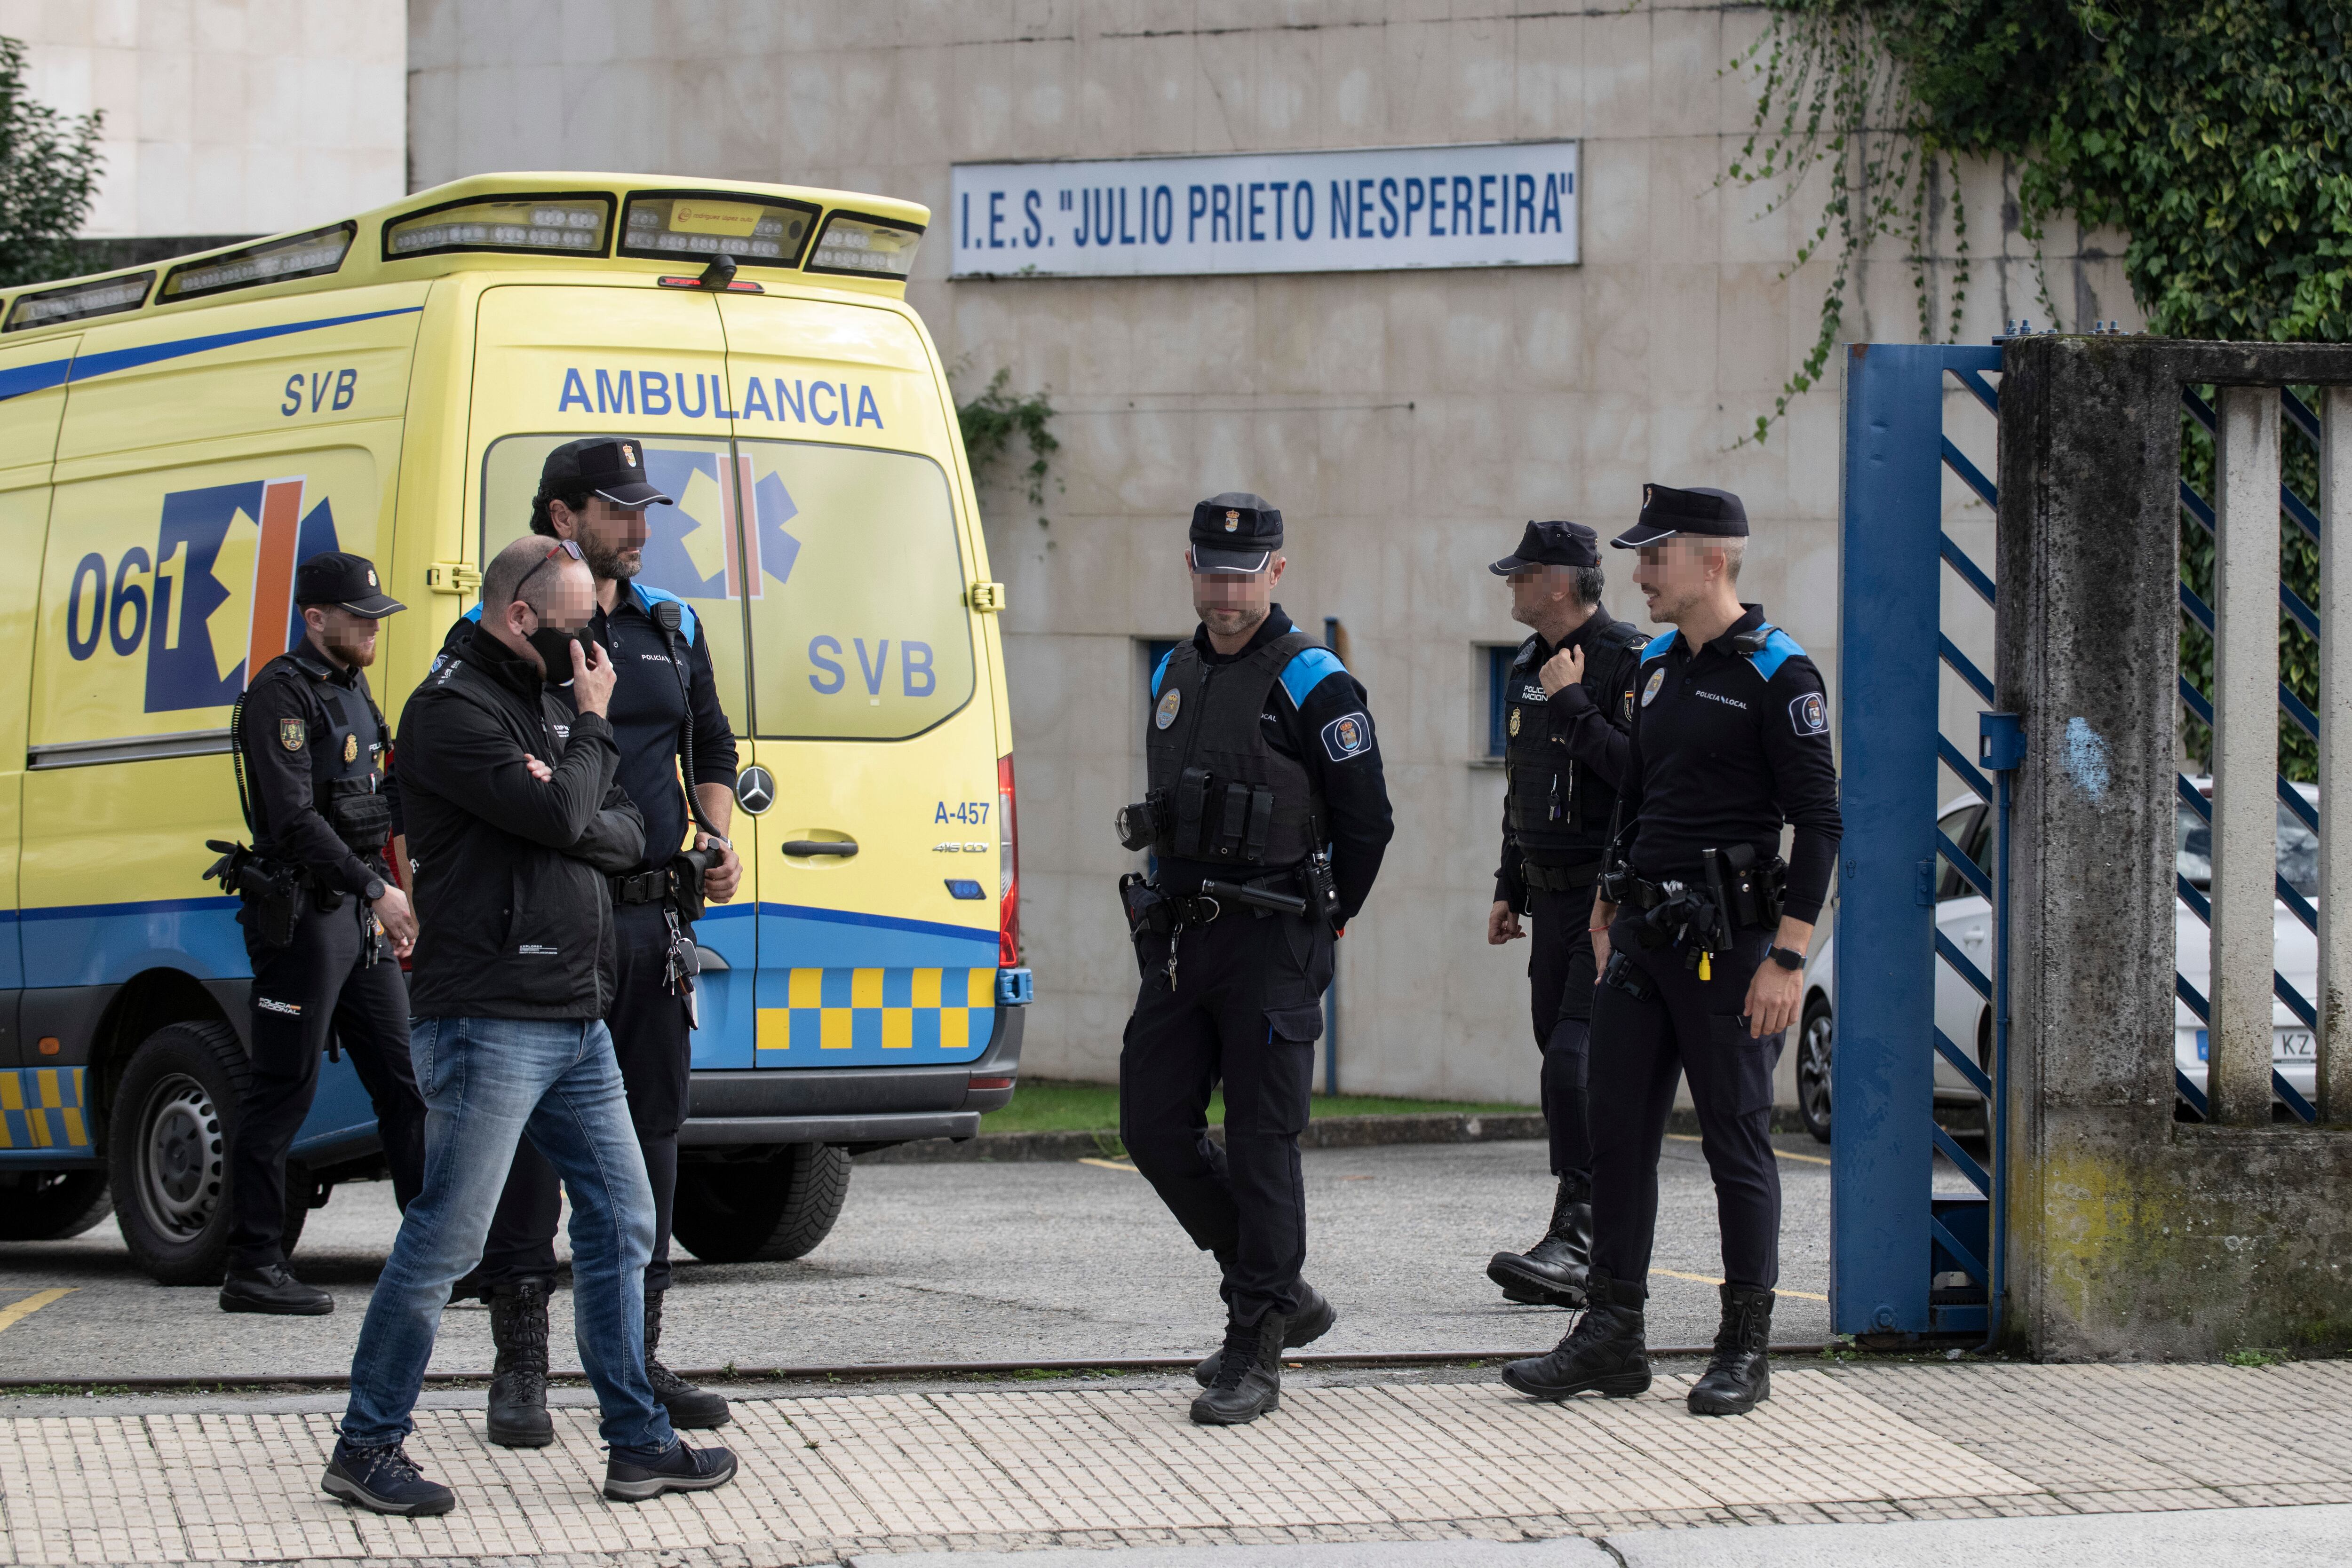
point(1331, 1133)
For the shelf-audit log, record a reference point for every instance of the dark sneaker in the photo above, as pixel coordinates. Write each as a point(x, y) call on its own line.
point(1552, 1273)
point(633, 1475)
point(691, 1409)
point(1602, 1354)
point(1738, 1378)
point(1314, 1320)
point(1249, 1375)
point(518, 1403)
point(271, 1289)
point(384, 1480)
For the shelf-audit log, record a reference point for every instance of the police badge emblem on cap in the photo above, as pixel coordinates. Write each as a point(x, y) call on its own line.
point(290, 734)
point(629, 454)
point(1233, 521)
point(1166, 714)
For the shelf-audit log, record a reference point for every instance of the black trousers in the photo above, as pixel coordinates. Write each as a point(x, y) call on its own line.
point(655, 1046)
point(1560, 971)
point(323, 982)
point(1245, 1011)
point(1692, 1028)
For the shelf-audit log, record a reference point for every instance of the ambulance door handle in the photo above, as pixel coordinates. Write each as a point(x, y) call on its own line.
point(842, 847)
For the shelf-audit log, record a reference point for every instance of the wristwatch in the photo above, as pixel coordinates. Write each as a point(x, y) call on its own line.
point(1786, 957)
point(373, 890)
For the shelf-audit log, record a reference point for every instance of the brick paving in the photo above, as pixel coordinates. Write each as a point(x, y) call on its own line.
point(828, 1475)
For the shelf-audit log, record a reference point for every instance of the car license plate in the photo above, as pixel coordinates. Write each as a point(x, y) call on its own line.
point(2291, 1045)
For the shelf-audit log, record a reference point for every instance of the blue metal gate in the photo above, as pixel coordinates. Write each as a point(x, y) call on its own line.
point(1891, 1238)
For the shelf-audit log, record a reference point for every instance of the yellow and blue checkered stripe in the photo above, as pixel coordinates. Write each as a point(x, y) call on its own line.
point(878, 1014)
point(42, 1108)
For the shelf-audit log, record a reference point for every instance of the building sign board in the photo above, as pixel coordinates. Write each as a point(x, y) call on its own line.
point(1511, 203)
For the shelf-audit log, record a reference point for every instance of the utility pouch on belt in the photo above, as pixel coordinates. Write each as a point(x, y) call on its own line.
point(361, 817)
point(276, 897)
point(1147, 908)
point(1629, 978)
point(686, 871)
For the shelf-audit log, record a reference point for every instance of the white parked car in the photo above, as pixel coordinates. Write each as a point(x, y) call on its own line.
point(1966, 917)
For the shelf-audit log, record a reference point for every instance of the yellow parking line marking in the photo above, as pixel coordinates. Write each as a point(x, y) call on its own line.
point(1108, 1165)
point(16, 1311)
point(1808, 1159)
point(1711, 1279)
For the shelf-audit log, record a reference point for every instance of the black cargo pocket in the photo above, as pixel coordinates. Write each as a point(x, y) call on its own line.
point(1150, 952)
point(1740, 1069)
point(1301, 981)
point(1302, 1026)
point(1286, 1078)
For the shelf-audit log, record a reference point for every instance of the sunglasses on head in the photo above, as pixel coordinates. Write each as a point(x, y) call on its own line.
point(562, 548)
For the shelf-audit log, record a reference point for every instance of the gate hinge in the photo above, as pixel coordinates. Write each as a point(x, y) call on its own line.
point(987, 597)
point(1925, 892)
point(452, 576)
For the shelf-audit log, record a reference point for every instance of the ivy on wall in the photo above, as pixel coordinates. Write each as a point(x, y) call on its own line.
point(993, 419)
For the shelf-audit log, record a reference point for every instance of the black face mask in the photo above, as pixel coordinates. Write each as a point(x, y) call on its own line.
point(554, 650)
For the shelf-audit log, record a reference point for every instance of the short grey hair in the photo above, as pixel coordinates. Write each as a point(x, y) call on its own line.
point(511, 566)
point(1587, 583)
point(1735, 552)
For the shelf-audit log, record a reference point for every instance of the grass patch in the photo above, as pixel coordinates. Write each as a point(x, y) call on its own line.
point(1051, 1105)
point(2253, 1356)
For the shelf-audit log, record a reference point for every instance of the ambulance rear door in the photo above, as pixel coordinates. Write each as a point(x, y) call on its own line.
point(876, 864)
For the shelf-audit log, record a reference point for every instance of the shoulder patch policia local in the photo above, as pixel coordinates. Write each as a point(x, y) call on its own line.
point(1350, 735)
point(1808, 714)
point(291, 733)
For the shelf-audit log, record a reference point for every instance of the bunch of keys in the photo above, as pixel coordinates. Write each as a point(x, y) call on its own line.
point(1174, 936)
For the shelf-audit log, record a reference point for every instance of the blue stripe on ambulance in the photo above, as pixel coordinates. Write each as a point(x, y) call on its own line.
point(49, 373)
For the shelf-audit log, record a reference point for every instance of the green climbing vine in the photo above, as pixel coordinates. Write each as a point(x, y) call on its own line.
point(994, 418)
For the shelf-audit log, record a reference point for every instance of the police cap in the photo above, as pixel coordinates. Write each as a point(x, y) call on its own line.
point(612, 466)
point(1234, 532)
point(1551, 544)
point(1667, 511)
point(347, 581)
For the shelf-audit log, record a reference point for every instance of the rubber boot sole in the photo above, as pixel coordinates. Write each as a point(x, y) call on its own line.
point(337, 1485)
point(696, 1411)
point(649, 1487)
point(1206, 1415)
point(1301, 1332)
point(507, 1435)
point(1716, 1404)
point(230, 1303)
point(1609, 1385)
point(1524, 1285)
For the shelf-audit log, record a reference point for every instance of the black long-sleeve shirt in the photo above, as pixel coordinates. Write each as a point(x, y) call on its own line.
point(1726, 745)
point(287, 824)
point(1590, 718)
point(1355, 792)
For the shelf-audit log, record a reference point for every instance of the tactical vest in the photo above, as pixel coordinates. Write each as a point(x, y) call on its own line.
point(347, 741)
point(1219, 791)
point(1557, 807)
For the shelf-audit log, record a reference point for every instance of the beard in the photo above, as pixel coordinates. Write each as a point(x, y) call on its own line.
point(613, 563)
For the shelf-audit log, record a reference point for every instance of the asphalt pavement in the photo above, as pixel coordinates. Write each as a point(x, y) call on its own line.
point(935, 1263)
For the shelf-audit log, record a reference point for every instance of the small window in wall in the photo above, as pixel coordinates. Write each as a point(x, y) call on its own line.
point(1499, 685)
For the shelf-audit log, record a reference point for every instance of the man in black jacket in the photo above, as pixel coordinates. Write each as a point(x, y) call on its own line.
point(514, 825)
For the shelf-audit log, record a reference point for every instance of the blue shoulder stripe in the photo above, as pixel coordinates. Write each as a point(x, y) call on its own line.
point(1657, 646)
point(1779, 648)
point(1307, 670)
point(648, 596)
point(1158, 671)
point(474, 614)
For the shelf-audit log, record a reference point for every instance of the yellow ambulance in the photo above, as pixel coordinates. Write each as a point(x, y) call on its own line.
point(174, 439)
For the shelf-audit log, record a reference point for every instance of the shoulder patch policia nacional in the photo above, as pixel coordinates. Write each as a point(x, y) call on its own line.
point(291, 733)
point(1350, 735)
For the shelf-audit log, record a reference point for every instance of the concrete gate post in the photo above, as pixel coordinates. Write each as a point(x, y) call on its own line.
point(2130, 1235)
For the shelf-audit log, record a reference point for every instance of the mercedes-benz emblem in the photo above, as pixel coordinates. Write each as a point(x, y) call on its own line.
point(755, 791)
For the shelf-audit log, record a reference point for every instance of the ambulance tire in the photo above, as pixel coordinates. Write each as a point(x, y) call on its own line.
point(168, 1151)
point(761, 1211)
point(49, 1205)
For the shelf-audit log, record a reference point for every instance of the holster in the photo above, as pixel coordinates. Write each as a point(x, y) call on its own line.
point(1148, 909)
point(276, 897)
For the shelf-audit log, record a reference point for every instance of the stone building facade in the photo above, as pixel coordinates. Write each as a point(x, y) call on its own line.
point(1407, 422)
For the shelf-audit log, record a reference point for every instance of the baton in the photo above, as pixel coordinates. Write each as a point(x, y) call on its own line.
point(1284, 903)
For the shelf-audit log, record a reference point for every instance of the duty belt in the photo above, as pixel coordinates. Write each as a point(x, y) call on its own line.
point(1557, 878)
point(642, 887)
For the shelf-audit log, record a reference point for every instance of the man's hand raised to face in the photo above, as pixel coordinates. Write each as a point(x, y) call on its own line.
point(1562, 670)
point(592, 677)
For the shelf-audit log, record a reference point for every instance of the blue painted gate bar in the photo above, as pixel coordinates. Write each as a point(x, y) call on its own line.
point(1890, 1238)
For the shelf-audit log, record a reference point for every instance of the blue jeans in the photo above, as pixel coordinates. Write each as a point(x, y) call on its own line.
point(486, 1081)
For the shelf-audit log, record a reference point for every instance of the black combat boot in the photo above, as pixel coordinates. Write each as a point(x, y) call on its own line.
point(272, 1289)
point(1310, 1322)
point(1737, 1378)
point(1604, 1353)
point(519, 1378)
point(1552, 1272)
point(1249, 1376)
point(691, 1409)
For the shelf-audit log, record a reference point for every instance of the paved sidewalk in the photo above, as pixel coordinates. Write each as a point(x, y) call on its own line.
point(827, 1476)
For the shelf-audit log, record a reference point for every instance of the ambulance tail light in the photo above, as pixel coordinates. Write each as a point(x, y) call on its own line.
point(1008, 870)
point(867, 246)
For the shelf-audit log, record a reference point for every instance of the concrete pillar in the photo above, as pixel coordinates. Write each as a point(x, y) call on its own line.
point(2335, 752)
point(2131, 1234)
point(2245, 751)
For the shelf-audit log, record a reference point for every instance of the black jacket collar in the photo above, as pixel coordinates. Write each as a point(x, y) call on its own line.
point(1275, 624)
point(503, 666)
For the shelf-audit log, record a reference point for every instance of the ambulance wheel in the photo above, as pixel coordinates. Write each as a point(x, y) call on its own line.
point(168, 1151)
point(761, 1211)
point(49, 1205)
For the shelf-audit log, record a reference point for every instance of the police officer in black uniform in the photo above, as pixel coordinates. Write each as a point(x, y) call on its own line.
point(669, 724)
point(1564, 748)
point(1706, 943)
point(311, 753)
point(1266, 820)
